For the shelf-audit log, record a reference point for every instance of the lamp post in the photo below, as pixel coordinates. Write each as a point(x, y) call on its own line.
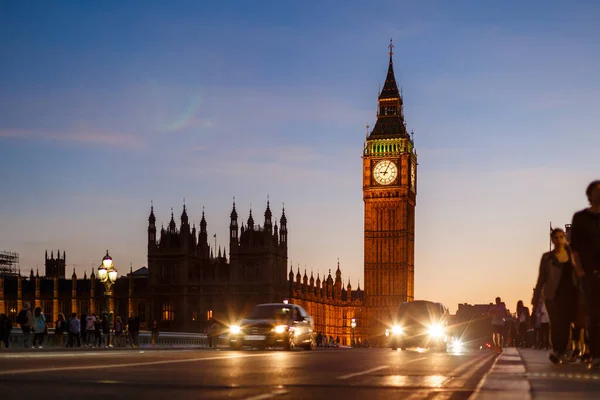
point(107, 273)
point(353, 325)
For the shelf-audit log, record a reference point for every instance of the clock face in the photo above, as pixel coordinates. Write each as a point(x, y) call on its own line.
point(385, 172)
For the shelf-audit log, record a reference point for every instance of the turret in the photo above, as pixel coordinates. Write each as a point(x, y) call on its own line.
point(305, 281)
point(203, 238)
point(151, 228)
point(233, 226)
point(338, 283)
point(172, 227)
point(298, 278)
point(250, 221)
point(291, 274)
point(283, 228)
point(268, 222)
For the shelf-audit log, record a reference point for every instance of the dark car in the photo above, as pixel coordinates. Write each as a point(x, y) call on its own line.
point(274, 325)
point(421, 324)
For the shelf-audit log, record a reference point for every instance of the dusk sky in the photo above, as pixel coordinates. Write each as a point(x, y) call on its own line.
point(105, 107)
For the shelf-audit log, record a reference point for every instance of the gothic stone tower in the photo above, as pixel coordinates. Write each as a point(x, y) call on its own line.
point(389, 194)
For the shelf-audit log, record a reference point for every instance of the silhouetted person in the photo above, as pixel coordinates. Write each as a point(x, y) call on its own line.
point(523, 319)
point(5, 328)
point(585, 241)
point(558, 282)
point(498, 313)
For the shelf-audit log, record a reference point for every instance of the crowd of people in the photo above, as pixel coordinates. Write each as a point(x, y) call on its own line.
point(85, 330)
point(566, 299)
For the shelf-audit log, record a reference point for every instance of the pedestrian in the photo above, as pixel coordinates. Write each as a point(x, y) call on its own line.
point(5, 328)
point(118, 329)
point(25, 319)
point(106, 330)
point(74, 331)
point(60, 327)
point(39, 327)
point(558, 283)
point(585, 242)
point(523, 320)
point(544, 332)
point(154, 333)
point(90, 330)
point(499, 314)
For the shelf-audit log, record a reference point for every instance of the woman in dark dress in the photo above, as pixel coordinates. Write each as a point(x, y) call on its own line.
point(557, 283)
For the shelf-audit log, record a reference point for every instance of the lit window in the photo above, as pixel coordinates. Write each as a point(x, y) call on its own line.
point(167, 312)
point(209, 315)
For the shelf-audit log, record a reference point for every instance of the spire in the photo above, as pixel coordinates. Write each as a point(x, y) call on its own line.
point(74, 276)
point(233, 214)
point(349, 285)
point(390, 88)
point(268, 216)
point(151, 217)
point(52, 254)
point(291, 274)
point(203, 222)
point(312, 279)
point(250, 221)
point(390, 117)
point(46, 254)
point(184, 216)
point(172, 225)
point(92, 275)
point(283, 219)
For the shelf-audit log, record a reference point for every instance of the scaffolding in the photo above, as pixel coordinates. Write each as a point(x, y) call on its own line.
point(9, 263)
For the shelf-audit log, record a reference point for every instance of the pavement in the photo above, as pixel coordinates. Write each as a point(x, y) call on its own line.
point(274, 374)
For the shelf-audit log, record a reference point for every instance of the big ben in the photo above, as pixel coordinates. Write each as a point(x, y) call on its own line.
point(389, 194)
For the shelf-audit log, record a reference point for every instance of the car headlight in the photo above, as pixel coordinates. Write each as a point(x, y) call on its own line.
point(235, 329)
point(280, 328)
point(436, 331)
point(397, 330)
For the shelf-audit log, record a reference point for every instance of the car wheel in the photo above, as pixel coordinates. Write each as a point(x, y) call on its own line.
point(311, 345)
point(290, 345)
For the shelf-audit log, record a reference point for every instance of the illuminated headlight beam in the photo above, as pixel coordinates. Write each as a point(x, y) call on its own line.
point(235, 329)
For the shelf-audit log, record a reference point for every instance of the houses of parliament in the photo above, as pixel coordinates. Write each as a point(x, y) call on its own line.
point(188, 282)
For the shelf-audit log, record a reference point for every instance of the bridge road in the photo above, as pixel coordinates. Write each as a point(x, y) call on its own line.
point(257, 375)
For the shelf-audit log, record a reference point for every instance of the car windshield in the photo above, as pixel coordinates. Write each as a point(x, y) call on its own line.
point(422, 312)
point(273, 311)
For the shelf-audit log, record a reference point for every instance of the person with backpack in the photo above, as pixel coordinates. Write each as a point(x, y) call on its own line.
point(25, 319)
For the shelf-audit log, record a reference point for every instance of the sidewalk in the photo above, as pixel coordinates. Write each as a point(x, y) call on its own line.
point(528, 374)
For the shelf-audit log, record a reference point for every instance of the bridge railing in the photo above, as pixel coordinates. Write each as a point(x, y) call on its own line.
point(165, 339)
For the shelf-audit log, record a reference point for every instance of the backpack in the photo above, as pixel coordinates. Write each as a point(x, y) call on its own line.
point(22, 318)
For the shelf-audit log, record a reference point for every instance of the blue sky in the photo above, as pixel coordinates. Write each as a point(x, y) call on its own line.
point(107, 106)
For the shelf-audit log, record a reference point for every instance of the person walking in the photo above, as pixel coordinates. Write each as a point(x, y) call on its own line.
point(585, 242)
point(523, 319)
point(499, 314)
point(558, 283)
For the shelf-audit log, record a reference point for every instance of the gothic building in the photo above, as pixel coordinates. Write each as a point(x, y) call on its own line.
point(56, 294)
point(389, 195)
point(331, 305)
point(191, 281)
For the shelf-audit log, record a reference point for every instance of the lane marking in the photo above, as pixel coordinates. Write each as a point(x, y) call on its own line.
point(457, 372)
point(138, 364)
point(375, 369)
point(268, 395)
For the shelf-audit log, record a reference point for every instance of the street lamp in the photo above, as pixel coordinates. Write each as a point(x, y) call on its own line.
point(353, 325)
point(107, 273)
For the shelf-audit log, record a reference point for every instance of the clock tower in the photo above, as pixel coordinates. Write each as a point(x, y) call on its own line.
point(389, 194)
